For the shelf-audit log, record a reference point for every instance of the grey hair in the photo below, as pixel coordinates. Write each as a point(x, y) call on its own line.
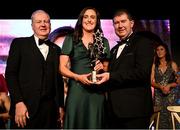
point(38, 11)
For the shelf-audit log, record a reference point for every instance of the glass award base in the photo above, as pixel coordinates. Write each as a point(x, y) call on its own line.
point(93, 77)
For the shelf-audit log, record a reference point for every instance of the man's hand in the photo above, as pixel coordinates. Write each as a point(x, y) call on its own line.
point(21, 114)
point(103, 77)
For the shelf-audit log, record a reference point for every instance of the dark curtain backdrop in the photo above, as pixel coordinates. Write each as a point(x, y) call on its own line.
point(159, 27)
point(165, 30)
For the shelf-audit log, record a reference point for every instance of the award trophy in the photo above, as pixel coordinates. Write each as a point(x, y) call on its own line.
point(96, 52)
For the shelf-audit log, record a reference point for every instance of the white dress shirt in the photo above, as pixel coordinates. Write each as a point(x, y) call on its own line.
point(120, 49)
point(44, 49)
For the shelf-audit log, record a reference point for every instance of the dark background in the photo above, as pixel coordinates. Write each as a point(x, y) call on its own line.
point(70, 9)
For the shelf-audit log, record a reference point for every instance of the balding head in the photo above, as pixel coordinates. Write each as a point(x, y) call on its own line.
point(37, 12)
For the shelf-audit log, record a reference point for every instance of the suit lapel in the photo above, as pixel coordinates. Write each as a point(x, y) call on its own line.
point(35, 50)
point(52, 51)
point(124, 52)
point(127, 49)
point(115, 50)
point(113, 54)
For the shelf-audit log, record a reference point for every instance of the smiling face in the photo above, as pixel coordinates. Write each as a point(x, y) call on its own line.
point(89, 20)
point(41, 24)
point(123, 25)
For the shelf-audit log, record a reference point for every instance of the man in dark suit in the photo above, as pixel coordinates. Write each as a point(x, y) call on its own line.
point(35, 85)
point(130, 96)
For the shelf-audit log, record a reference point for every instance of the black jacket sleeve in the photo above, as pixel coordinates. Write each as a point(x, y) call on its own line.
point(12, 71)
point(60, 83)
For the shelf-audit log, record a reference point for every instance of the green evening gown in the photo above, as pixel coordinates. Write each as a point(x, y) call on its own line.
point(85, 105)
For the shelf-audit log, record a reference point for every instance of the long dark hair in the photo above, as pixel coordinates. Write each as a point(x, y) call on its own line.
point(78, 27)
point(168, 58)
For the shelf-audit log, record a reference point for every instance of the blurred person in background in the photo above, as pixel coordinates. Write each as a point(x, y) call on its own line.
point(4, 103)
point(164, 81)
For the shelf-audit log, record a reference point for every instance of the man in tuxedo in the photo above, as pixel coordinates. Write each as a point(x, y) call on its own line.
point(33, 79)
point(130, 99)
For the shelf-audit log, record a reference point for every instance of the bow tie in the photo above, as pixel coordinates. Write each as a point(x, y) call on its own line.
point(123, 41)
point(41, 41)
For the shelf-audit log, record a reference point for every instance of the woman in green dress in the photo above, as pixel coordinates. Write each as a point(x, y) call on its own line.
point(85, 103)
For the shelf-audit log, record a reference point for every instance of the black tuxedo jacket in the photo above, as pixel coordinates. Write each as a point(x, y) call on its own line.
point(24, 73)
point(130, 89)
